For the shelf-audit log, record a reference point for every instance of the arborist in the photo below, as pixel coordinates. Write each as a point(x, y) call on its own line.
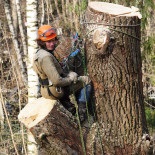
point(55, 83)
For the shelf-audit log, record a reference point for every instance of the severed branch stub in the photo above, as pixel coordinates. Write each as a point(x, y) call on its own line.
point(101, 39)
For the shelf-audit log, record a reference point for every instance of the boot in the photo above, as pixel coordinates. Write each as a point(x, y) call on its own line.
point(82, 111)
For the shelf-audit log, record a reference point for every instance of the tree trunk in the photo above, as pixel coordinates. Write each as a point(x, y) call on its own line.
point(31, 17)
point(57, 8)
point(15, 43)
point(1, 117)
point(114, 65)
point(54, 128)
point(21, 28)
point(75, 16)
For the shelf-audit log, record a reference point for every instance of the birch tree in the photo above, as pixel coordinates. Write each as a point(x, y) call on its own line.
point(15, 41)
point(1, 116)
point(31, 14)
point(21, 28)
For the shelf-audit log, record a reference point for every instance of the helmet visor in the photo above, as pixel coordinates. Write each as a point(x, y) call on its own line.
point(49, 32)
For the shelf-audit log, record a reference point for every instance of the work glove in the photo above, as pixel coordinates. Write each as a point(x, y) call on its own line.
point(84, 79)
point(73, 76)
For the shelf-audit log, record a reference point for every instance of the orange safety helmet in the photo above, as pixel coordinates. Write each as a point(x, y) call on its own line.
point(46, 32)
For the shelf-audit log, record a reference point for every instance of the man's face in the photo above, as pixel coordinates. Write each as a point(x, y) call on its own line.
point(50, 45)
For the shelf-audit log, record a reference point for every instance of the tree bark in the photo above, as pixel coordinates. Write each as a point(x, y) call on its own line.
point(54, 128)
point(114, 65)
point(33, 88)
point(15, 43)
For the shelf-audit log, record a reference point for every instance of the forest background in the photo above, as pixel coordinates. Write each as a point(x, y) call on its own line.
point(14, 60)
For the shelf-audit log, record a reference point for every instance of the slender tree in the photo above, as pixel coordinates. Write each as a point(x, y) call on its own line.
point(75, 15)
point(15, 42)
point(57, 8)
point(1, 117)
point(63, 10)
point(31, 16)
point(21, 28)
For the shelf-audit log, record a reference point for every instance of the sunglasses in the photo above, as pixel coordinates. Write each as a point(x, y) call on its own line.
point(49, 32)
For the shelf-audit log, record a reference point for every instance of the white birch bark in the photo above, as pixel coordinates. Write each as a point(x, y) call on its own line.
point(43, 12)
point(75, 16)
point(51, 11)
point(1, 117)
point(21, 28)
point(14, 15)
point(15, 42)
point(31, 14)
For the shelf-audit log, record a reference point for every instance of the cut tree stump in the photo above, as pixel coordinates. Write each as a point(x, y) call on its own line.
point(112, 37)
point(114, 64)
point(53, 127)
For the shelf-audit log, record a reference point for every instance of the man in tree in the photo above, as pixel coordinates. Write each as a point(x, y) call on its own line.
point(55, 83)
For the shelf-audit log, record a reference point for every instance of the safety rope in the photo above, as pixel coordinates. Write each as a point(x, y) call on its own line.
point(104, 24)
point(110, 24)
point(84, 86)
point(87, 111)
point(74, 52)
point(79, 124)
point(93, 110)
point(150, 105)
point(85, 71)
point(116, 31)
point(94, 114)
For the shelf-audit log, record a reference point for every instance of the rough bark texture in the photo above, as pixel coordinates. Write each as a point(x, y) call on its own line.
point(56, 130)
point(117, 78)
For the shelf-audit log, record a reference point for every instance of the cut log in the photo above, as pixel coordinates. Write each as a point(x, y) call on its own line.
point(36, 111)
point(53, 127)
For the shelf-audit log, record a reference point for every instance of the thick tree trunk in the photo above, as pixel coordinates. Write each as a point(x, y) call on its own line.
point(54, 128)
point(114, 65)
